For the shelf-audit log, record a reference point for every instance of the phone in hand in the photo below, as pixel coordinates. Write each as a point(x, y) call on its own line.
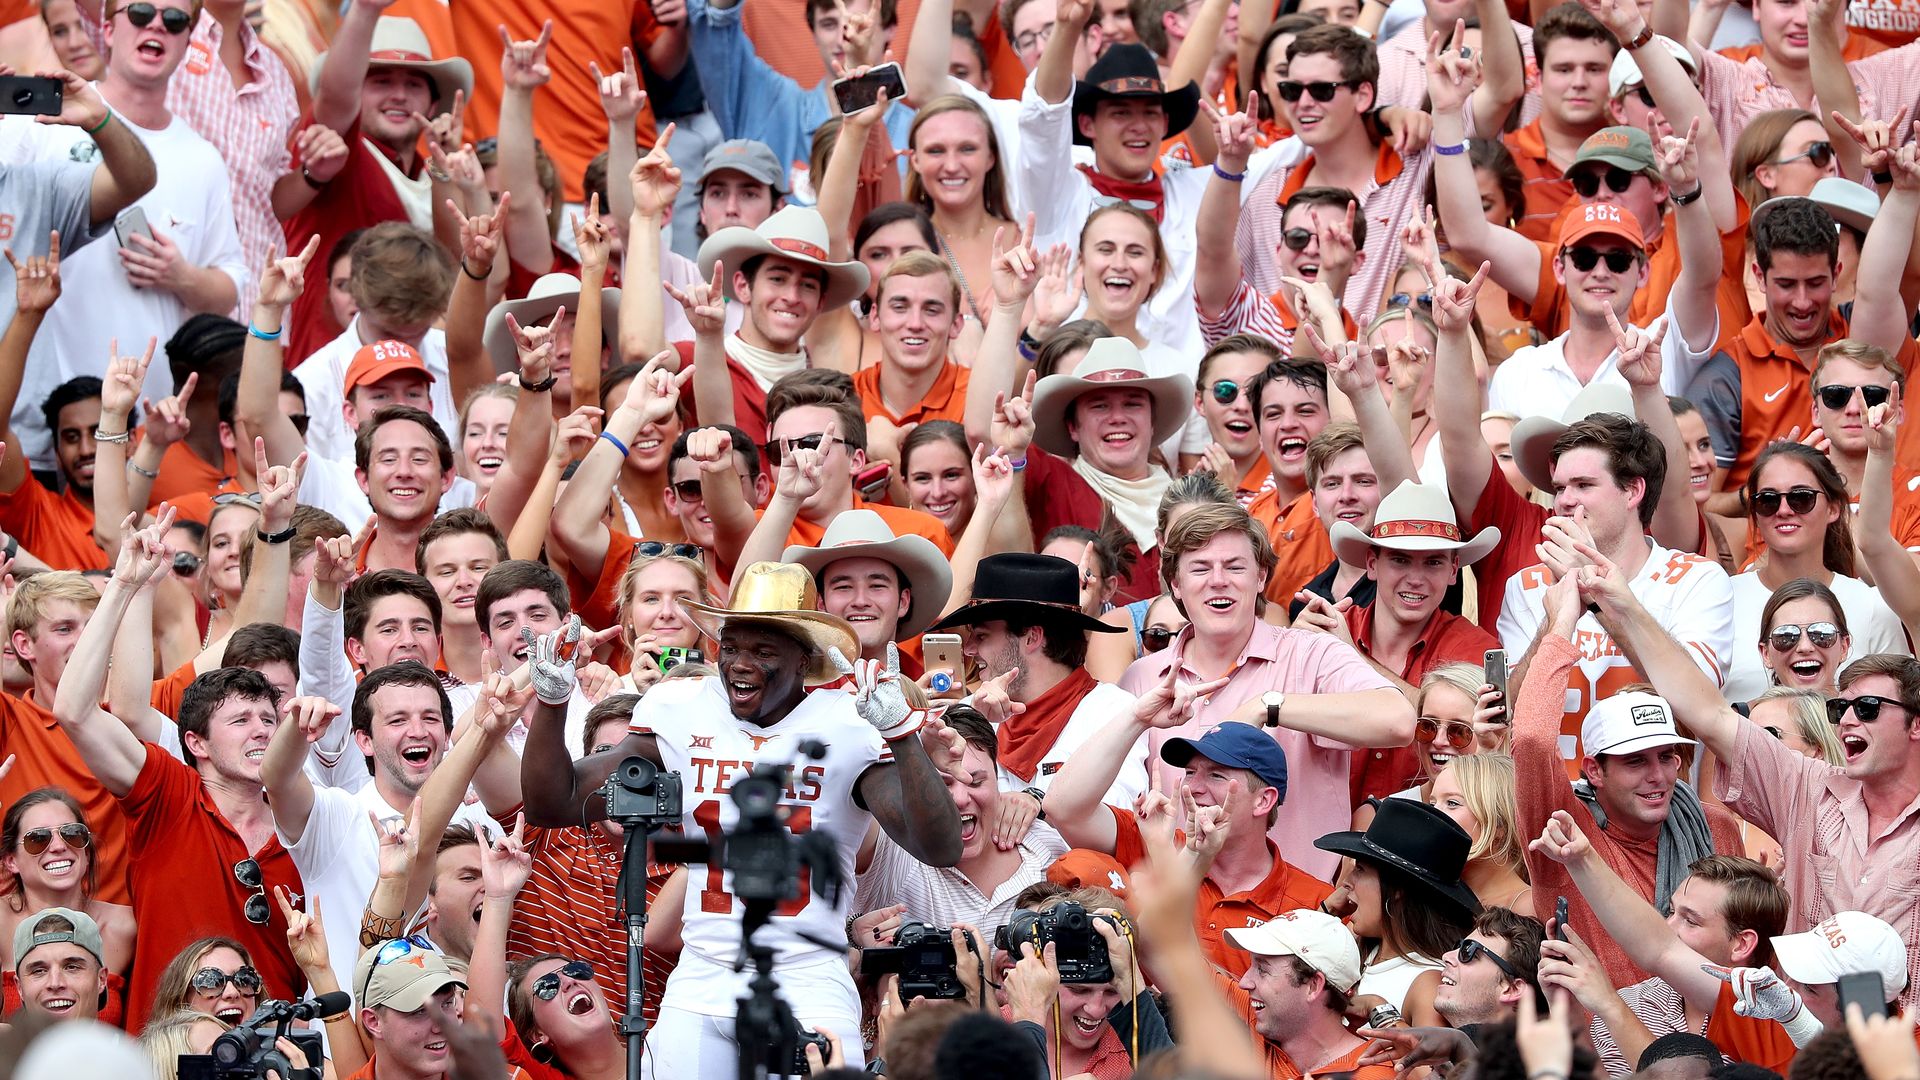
point(863, 92)
point(131, 222)
point(943, 659)
point(24, 95)
point(1560, 918)
point(1496, 668)
point(1865, 989)
point(873, 480)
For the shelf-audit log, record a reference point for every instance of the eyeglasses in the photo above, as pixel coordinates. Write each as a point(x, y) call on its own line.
point(687, 490)
point(1406, 300)
point(397, 949)
point(1156, 638)
point(653, 549)
point(1323, 92)
point(1428, 729)
point(1471, 949)
point(1587, 181)
point(1296, 239)
point(247, 873)
point(1818, 154)
point(237, 498)
point(1800, 500)
point(547, 987)
point(74, 834)
point(822, 442)
point(173, 20)
point(1836, 395)
point(1583, 258)
point(1033, 39)
point(1867, 707)
point(1787, 635)
point(1226, 391)
point(300, 422)
point(211, 980)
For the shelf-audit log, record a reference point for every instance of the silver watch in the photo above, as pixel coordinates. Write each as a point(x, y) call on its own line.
point(1384, 1015)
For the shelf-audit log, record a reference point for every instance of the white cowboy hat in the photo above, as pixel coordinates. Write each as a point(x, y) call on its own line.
point(782, 596)
point(399, 42)
point(1533, 436)
point(864, 534)
point(1414, 517)
point(793, 232)
point(542, 300)
point(1111, 363)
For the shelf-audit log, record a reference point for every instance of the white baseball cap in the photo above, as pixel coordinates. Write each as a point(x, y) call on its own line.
point(1629, 723)
point(1323, 941)
point(1626, 72)
point(1844, 944)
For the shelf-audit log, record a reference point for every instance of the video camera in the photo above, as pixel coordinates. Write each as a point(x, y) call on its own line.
point(923, 956)
point(1079, 950)
point(249, 1050)
point(768, 862)
point(639, 793)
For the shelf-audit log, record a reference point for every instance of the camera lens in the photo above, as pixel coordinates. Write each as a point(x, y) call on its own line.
point(23, 97)
point(756, 798)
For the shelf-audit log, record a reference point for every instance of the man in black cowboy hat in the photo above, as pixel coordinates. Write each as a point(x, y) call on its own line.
point(1025, 627)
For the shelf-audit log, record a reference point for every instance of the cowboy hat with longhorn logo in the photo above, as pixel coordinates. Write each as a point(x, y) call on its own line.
point(1111, 363)
point(400, 43)
point(798, 233)
point(1130, 71)
point(863, 534)
point(1414, 517)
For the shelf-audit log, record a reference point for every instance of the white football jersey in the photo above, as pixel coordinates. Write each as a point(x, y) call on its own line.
point(701, 739)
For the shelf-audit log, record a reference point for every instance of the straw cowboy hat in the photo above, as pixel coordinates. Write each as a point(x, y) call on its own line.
point(1130, 71)
point(1533, 436)
point(793, 232)
point(1026, 588)
point(1414, 517)
point(863, 534)
point(542, 300)
point(781, 596)
point(399, 42)
point(1111, 363)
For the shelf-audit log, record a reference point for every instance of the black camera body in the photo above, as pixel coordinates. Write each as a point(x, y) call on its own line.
point(801, 1041)
point(639, 792)
point(1079, 950)
point(249, 1051)
point(923, 956)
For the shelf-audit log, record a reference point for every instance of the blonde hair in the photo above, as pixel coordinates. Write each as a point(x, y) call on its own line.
point(1486, 782)
point(167, 1037)
point(920, 264)
point(31, 599)
point(629, 583)
point(1809, 711)
point(1462, 676)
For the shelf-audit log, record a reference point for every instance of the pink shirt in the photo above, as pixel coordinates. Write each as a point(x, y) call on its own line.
point(1830, 863)
point(1737, 90)
point(1318, 768)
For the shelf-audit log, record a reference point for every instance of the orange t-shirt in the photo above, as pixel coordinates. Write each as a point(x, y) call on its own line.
point(1762, 1042)
point(184, 474)
point(1279, 1065)
point(48, 758)
point(946, 400)
point(809, 534)
point(1546, 188)
point(168, 691)
point(58, 529)
point(1300, 541)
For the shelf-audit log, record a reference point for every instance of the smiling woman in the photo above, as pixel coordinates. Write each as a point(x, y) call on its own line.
point(46, 847)
point(214, 975)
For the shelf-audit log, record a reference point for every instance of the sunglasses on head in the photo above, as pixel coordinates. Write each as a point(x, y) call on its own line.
point(172, 20)
point(1836, 395)
point(1290, 90)
point(822, 442)
point(211, 980)
point(1432, 729)
point(1144, 205)
point(1226, 391)
point(1156, 638)
point(74, 834)
point(1818, 154)
point(547, 987)
point(653, 549)
point(1406, 300)
point(237, 498)
point(1583, 258)
point(1296, 239)
point(397, 949)
point(1800, 500)
point(1587, 181)
point(1787, 635)
point(1867, 707)
point(247, 873)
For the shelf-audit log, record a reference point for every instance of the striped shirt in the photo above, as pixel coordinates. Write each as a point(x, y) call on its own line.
point(942, 895)
point(1738, 86)
point(1658, 1005)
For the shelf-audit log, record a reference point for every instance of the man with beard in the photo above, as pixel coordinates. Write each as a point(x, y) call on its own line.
point(776, 654)
point(402, 724)
point(59, 964)
point(205, 821)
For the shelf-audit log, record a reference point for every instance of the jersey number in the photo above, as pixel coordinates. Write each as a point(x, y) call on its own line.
point(715, 899)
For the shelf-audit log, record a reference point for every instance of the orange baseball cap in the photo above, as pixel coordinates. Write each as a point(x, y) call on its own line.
point(1601, 219)
point(381, 359)
point(1084, 867)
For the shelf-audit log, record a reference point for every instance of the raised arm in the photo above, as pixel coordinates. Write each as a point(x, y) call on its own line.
point(523, 69)
point(622, 95)
point(929, 49)
point(130, 678)
point(1073, 802)
point(706, 306)
point(36, 285)
point(336, 102)
point(594, 241)
point(1216, 270)
point(1351, 369)
point(1880, 316)
point(1016, 273)
point(256, 406)
point(1503, 66)
point(652, 396)
point(1457, 399)
point(118, 392)
point(908, 797)
point(505, 866)
point(1053, 75)
point(1676, 519)
point(1515, 260)
point(468, 366)
point(126, 169)
point(653, 182)
point(303, 722)
point(1894, 573)
point(795, 480)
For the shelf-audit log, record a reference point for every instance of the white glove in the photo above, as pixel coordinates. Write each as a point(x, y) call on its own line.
point(554, 677)
point(877, 694)
point(1759, 994)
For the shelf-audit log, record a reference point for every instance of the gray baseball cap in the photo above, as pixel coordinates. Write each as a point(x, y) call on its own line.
point(29, 935)
point(748, 157)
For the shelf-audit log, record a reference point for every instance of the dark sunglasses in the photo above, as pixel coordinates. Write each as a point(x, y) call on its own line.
point(1472, 949)
point(1787, 635)
point(653, 549)
point(1406, 300)
point(1296, 239)
point(1867, 707)
point(1428, 729)
point(1226, 391)
point(1800, 500)
point(1836, 395)
point(1323, 92)
point(688, 490)
point(1583, 258)
point(300, 421)
point(1818, 154)
point(247, 873)
point(823, 442)
point(186, 563)
point(74, 834)
point(1156, 638)
point(172, 20)
point(211, 980)
point(1587, 181)
point(1646, 95)
point(547, 987)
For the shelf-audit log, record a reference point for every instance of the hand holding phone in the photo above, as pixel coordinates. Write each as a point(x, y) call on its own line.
point(1560, 918)
point(863, 92)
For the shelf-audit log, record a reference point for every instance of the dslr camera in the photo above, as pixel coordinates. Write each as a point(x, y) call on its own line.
point(638, 792)
point(922, 955)
point(1078, 948)
point(248, 1051)
point(802, 1037)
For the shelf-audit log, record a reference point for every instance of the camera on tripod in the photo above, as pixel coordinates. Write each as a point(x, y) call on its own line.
point(923, 956)
point(1079, 950)
point(639, 793)
point(248, 1051)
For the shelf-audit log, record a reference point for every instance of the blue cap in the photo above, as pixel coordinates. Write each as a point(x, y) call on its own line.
point(1235, 745)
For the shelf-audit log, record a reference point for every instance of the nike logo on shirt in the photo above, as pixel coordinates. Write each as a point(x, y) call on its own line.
point(1768, 398)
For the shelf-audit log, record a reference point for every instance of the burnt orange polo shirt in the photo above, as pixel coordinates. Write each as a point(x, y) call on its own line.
point(183, 474)
point(1256, 480)
point(46, 757)
point(902, 521)
point(57, 528)
point(1445, 639)
point(1386, 166)
point(1290, 320)
point(1551, 314)
point(1300, 541)
point(1546, 188)
point(1762, 1042)
point(946, 400)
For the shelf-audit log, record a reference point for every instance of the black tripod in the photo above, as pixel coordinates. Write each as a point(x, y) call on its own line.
point(642, 799)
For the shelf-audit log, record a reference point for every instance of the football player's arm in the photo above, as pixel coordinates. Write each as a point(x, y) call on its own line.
point(910, 801)
point(559, 790)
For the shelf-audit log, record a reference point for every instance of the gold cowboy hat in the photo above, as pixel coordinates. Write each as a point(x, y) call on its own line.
point(1111, 363)
point(793, 232)
point(1414, 517)
point(781, 596)
point(863, 534)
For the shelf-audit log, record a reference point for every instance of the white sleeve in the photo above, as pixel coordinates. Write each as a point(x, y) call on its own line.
point(1701, 618)
point(220, 246)
point(1044, 170)
point(335, 822)
point(1520, 618)
point(1679, 362)
point(325, 672)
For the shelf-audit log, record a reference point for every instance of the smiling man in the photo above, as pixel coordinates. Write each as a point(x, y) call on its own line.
point(59, 964)
point(404, 464)
point(456, 551)
point(409, 1004)
point(916, 312)
point(889, 588)
point(1495, 965)
point(1305, 968)
point(1223, 397)
point(1290, 411)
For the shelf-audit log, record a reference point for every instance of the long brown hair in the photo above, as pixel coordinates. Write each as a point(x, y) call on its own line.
point(176, 979)
point(1758, 145)
point(10, 831)
point(993, 189)
point(1837, 555)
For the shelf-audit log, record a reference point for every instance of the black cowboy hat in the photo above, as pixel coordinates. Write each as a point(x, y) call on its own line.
point(1028, 589)
point(1126, 71)
point(1418, 842)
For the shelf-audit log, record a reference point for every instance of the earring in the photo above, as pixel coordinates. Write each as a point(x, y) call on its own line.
point(543, 1053)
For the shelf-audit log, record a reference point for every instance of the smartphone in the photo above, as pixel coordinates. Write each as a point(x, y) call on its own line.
point(1496, 667)
point(1864, 988)
point(873, 480)
point(864, 92)
point(1560, 918)
point(943, 659)
point(132, 221)
point(30, 96)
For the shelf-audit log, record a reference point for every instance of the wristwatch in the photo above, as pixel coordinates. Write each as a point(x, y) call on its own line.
point(1039, 797)
point(1384, 1015)
point(1273, 699)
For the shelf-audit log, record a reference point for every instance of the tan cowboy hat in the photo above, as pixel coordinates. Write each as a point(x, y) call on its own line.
point(542, 300)
point(793, 232)
point(1533, 436)
point(782, 596)
point(399, 42)
point(864, 534)
point(1111, 363)
point(1414, 517)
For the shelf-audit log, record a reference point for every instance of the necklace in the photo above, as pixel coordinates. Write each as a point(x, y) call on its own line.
point(966, 291)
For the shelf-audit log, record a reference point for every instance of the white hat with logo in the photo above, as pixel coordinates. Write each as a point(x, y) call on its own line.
point(1629, 723)
point(1321, 940)
point(1845, 944)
